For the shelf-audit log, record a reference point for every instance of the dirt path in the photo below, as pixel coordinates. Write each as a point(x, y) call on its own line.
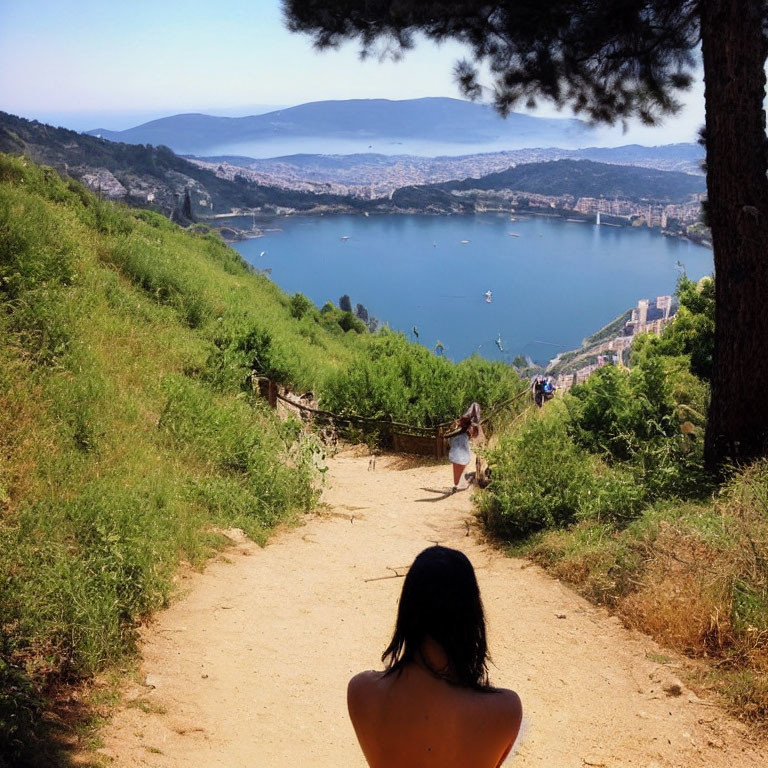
point(250, 668)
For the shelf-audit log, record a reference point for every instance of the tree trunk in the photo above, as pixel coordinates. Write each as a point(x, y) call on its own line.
point(734, 51)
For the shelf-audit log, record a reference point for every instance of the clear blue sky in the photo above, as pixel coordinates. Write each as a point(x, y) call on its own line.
point(153, 58)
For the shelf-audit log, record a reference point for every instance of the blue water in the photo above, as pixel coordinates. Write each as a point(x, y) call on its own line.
point(553, 285)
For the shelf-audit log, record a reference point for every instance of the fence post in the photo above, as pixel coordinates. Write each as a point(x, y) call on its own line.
point(439, 446)
point(268, 390)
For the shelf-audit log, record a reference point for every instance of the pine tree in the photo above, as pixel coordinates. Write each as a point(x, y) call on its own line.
point(614, 60)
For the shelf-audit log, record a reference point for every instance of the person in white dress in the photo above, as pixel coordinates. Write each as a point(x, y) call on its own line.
point(459, 455)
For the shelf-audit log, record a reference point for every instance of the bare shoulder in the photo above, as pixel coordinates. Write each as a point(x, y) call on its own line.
point(505, 707)
point(361, 686)
point(363, 680)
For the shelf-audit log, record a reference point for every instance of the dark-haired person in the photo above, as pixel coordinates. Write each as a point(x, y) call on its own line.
point(433, 704)
point(458, 454)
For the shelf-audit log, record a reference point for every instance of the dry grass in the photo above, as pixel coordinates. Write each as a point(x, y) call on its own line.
point(694, 577)
point(683, 598)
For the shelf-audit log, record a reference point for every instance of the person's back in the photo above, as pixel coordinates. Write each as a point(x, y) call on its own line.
point(432, 707)
point(416, 720)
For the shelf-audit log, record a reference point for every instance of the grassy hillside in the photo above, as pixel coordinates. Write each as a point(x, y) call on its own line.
point(128, 434)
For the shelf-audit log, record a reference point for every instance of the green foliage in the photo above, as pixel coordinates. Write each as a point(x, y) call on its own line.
point(243, 347)
point(691, 334)
point(394, 378)
point(38, 259)
point(616, 412)
point(300, 305)
point(633, 418)
point(125, 433)
point(156, 271)
point(614, 446)
point(232, 438)
point(541, 479)
point(348, 322)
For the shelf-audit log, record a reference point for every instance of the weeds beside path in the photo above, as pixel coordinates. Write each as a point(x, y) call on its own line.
point(250, 667)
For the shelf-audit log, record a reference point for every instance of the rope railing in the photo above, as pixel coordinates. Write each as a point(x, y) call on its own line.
point(409, 438)
point(354, 417)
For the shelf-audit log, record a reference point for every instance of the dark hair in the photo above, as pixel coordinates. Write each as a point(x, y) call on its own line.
point(441, 600)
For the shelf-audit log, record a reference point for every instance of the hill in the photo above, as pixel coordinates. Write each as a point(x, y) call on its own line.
point(130, 434)
point(146, 176)
point(386, 172)
point(430, 119)
point(585, 178)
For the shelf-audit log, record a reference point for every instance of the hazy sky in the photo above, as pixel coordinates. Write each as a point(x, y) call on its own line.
point(77, 60)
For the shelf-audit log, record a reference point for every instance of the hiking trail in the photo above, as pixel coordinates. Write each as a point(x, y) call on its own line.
point(249, 666)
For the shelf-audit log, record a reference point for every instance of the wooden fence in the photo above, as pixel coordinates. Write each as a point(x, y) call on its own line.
point(403, 438)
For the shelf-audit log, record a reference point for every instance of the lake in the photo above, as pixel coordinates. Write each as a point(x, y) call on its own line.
point(552, 285)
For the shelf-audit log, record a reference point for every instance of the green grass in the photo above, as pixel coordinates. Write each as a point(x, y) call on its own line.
point(129, 431)
point(120, 453)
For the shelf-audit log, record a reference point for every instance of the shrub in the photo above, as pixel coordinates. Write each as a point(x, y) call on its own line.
point(392, 378)
point(235, 437)
point(634, 419)
point(348, 322)
point(541, 479)
point(242, 347)
point(300, 305)
point(692, 333)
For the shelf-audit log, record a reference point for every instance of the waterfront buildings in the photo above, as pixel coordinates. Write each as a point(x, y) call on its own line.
point(649, 316)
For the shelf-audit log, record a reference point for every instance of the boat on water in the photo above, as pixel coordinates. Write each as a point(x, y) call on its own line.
point(344, 238)
point(488, 296)
point(262, 254)
point(463, 242)
point(513, 234)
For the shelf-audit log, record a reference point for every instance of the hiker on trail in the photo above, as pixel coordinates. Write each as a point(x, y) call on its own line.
point(433, 703)
point(538, 391)
point(469, 427)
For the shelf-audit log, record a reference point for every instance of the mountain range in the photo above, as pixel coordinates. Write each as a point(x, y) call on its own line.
point(439, 120)
point(145, 176)
point(156, 177)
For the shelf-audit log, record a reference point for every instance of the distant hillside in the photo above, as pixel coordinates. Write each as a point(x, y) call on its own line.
point(686, 157)
point(155, 177)
point(585, 178)
point(141, 175)
point(429, 119)
point(387, 172)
